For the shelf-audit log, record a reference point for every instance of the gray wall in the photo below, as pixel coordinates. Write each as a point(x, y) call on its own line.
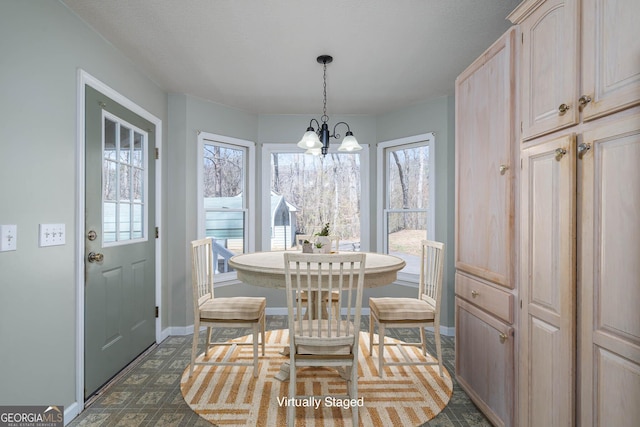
point(436, 116)
point(42, 45)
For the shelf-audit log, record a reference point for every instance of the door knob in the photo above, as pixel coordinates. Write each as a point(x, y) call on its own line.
point(583, 148)
point(584, 100)
point(563, 108)
point(503, 169)
point(95, 257)
point(503, 337)
point(560, 152)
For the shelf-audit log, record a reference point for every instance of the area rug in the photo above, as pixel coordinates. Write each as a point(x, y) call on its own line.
point(231, 396)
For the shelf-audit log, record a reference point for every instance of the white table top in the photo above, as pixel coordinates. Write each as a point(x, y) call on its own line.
point(266, 269)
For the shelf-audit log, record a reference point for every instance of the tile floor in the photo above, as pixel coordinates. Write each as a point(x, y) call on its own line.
point(148, 394)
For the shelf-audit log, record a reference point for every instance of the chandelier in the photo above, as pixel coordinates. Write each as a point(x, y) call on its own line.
point(317, 143)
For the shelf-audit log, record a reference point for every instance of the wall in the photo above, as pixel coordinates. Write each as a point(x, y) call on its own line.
point(42, 46)
point(187, 116)
point(436, 116)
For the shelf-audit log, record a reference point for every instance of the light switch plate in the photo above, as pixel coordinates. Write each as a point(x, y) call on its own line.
point(52, 235)
point(8, 237)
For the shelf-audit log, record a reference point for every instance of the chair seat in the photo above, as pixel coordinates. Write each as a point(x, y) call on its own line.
point(401, 309)
point(236, 308)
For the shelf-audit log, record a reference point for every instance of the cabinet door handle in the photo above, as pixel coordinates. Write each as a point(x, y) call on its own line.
point(474, 293)
point(583, 148)
point(503, 169)
point(503, 337)
point(584, 100)
point(563, 108)
point(560, 152)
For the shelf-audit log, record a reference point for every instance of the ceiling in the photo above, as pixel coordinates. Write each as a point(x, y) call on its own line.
point(260, 55)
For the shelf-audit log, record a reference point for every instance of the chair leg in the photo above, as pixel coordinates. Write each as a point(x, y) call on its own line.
point(207, 345)
point(263, 333)
point(194, 346)
point(371, 321)
point(423, 341)
point(353, 393)
point(381, 349)
point(255, 350)
point(438, 347)
point(291, 410)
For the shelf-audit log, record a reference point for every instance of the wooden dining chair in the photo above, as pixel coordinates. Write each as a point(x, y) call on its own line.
point(330, 341)
point(234, 312)
point(390, 312)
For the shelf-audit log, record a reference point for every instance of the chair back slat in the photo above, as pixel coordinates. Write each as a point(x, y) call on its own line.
point(431, 267)
point(202, 270)
point(310, 323)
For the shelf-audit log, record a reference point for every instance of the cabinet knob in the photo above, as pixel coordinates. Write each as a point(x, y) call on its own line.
point(503, 337)
point(474, 293)
point(503, 169)
point(563, 108)
point(583, 148)
point(560, 152)
point(584, 100)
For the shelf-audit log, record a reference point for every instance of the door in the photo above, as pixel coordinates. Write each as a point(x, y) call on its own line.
point(609, 271)
point(547, 286)
point(119, 238)
point(611, 48)
point(549, 68)
point(484, 174)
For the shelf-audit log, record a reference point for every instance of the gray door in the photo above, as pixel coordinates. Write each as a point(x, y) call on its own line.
point(119, 238)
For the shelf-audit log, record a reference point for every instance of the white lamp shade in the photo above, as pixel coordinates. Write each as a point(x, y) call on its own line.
point(349, 143)
point(310, 140)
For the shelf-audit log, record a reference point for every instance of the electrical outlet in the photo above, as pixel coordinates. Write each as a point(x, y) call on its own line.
point(8, 237)
point(52, 235)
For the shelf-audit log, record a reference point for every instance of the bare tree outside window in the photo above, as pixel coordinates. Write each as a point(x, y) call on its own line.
point(320, 190)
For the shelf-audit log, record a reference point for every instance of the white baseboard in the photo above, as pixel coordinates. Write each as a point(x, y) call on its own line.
point(71, 411)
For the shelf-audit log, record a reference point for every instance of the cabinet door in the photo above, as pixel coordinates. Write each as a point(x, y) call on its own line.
point(484, 361)
point(610, 276)
point(549, 68)
point(611, 55)
point(485, 141)
point(547, 285)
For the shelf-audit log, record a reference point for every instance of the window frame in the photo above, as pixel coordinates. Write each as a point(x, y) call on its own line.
point(269, 148)
point(382, 201)
point(249, 148)
point(145, 187)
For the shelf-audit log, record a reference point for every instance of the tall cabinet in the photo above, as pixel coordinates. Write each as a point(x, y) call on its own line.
point(579, 288)
point(486, 249)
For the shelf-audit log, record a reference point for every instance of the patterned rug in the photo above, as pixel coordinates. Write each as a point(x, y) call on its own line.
point(231, 396)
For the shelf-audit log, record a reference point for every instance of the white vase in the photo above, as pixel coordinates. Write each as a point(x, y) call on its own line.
point(326, 244)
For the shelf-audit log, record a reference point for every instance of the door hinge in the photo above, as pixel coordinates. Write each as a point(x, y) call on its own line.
point(157, 311)
point(520, 303)
point(157, 153)
point(522, 38)
point(157, 232)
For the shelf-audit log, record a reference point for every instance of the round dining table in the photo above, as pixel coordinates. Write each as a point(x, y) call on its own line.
point(266, 269)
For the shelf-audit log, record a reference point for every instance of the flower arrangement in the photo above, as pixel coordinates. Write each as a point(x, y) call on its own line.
point(324, 231)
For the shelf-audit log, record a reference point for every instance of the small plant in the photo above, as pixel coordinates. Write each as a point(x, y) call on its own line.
point(324, 231)
point(305, 241)
point(319, 245)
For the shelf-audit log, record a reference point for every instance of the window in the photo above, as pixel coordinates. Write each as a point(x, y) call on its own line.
point(406, 197)
point(304, 192)
point(124, 182)
point(225, 201)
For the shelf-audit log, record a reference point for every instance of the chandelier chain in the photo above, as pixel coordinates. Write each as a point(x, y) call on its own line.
point(324, 118)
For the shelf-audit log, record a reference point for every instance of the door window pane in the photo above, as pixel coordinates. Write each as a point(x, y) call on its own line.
point(124, 178)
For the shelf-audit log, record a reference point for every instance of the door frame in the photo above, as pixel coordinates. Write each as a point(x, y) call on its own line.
point(85, 78)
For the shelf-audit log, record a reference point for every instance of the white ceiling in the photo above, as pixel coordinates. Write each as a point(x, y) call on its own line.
point(260, 55)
